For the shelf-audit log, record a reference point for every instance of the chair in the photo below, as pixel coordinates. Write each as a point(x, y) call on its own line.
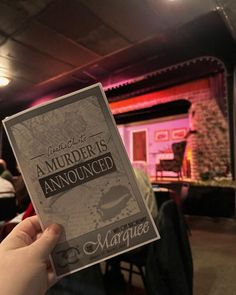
point(165, 265)
point(175, 164)
point(169, 267)
point(132, 262)
point(135, 259)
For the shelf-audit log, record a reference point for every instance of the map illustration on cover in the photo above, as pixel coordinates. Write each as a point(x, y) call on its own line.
point(78, 174)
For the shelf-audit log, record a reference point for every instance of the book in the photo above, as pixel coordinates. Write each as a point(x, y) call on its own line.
point(78, 174)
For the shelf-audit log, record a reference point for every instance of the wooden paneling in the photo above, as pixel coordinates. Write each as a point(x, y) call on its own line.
point(27, 8)
point(77, 22)
point(33, 59)
point(55, 45)
point(103, 40)
point(10, 19)
point(121, 59)
point(15, 69)
point(11, 97)
point(70, 18)
point(2, 38)
point(133, 19)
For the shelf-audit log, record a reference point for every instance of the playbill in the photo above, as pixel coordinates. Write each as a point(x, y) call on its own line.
point(78, 174)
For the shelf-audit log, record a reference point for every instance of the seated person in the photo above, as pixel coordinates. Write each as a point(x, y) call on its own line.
point(22, 196)
point(6, 189)
point(113, 278)
point(4, 172)
point(7, 200)
point(146, 190)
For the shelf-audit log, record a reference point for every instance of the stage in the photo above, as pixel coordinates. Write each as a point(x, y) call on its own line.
point(201, 200)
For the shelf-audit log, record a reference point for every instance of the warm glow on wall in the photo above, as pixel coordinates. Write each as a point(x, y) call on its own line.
point(42, 100)
point(189, 154)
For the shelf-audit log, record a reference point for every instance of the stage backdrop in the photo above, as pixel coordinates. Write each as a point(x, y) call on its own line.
point(149, 141)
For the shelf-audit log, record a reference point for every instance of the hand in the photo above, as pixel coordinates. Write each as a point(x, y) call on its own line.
point(24, 258)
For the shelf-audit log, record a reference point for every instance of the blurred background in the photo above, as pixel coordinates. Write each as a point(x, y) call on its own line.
point(168, 71)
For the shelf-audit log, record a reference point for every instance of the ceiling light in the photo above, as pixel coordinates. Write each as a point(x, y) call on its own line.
point(4, 81)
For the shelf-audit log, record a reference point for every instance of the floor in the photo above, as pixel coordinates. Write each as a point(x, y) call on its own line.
point(213, 244)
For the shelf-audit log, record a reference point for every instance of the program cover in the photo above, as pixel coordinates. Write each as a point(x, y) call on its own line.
point(78, 174)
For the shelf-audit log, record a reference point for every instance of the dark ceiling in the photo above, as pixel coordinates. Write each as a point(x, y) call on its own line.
point(54, 46)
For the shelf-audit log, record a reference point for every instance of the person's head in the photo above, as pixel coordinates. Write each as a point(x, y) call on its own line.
point(3, 163)
point(3, 166)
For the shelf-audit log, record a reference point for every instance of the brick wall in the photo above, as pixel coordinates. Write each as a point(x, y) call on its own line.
point(210, 145)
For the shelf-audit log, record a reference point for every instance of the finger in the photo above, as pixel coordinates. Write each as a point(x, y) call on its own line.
point(47, 241)
point(52, 278)
point(51, 275)
point(23, 233)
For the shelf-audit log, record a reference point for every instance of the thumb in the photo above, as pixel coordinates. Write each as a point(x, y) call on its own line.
point(47, 241)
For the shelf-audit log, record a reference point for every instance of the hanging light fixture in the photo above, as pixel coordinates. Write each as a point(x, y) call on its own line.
point(4, 81)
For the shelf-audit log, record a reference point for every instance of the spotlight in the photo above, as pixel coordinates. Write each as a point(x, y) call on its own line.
point(4, 81)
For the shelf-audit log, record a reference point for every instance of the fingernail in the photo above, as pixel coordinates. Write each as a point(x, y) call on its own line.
point(55, 229)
